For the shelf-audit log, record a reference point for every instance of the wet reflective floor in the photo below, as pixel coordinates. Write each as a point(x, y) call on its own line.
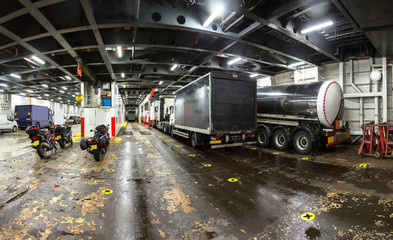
point(151, 186)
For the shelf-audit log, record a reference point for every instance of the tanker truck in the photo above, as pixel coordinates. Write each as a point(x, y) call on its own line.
point(307, 115)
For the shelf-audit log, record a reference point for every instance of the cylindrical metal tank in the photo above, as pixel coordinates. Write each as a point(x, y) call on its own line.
point(315, 100)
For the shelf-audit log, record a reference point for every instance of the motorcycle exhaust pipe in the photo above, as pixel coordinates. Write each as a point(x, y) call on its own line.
point(45, 145)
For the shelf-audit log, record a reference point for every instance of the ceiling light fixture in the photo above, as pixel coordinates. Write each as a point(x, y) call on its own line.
point(15, 75)
point(68, 77)
point(316, 27)
point(161, 82)
point(119, 51)
point(29, 91)
point(44, 85)
point(254, 75)
point(296, 64)
point(122, 75)
point(174, 67)
point(46, 95)
point(233, 61)
point(64, 88)
point(3, 85)
point(61, 91)
point(30, 61)
point(23, 94)
point(37, 59)
point(217, 11)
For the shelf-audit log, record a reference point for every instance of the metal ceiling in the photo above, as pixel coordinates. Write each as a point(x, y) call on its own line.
point(154, 35)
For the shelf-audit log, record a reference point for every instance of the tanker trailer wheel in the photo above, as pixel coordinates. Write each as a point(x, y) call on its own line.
point(280, 140)
point(302, 142)
point(263, 138)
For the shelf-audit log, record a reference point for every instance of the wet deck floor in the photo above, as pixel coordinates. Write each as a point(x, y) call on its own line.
point(164, 189)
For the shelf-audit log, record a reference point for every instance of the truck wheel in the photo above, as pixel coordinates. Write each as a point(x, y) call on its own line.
point(302, 142)
point(14, 129)
point(263, 138)
point(194, 140)
point(280, 140)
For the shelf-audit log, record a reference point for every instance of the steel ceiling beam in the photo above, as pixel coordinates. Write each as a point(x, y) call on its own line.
point(41, 19)
point(93, 24)
point(19, 40)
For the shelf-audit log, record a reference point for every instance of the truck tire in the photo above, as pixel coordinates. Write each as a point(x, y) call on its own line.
point(302, 142)
point(194, 140)
point(280, 140)
point(263, 138)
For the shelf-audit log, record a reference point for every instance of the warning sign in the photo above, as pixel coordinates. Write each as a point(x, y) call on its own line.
point(107, 191)
point(308, 216)
point(232, 180)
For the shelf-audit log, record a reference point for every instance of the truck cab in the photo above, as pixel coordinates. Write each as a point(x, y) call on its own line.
point(7, 123)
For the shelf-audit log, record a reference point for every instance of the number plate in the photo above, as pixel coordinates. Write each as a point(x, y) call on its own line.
point(93, 147)
point(58, 137)
point(36, 143)
point(215, 142)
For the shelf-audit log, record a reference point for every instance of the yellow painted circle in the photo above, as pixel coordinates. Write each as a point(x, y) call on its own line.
point(14, 160)
point(305, 158)
point(363, 165)
point(276, 153)
point(253, 148)
point(107, 191)
point(192, 155)
point(110, 170)
point(207, 165)
point(232, 180)
point(308, 216)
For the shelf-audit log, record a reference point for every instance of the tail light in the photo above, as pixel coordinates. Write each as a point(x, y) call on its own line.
point(329, 134)
point(251, 135)
point(35, 138)
point(214, 138)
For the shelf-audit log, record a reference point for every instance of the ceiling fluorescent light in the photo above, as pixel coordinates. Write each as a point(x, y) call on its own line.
point(161, 82)
point(30, 91)
point(3, 85)
point(64, 88)
point(296, 64)
point(30, 61)
point(61, 91)
point(68, 77)
point(15, 75)
point(23, 94)
point(119, 51)
point(174, 67)
point(316, 27)
point(233, 61)
point(217, 11)
point(37, 59)
point(254, 75)
point(123, 75)
point(47, 95)
point(44, 85)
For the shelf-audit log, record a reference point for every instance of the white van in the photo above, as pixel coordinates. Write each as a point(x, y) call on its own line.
point(7, 123)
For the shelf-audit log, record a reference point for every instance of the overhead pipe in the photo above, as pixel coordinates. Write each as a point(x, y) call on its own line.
point(351, 76)
point(385, 89)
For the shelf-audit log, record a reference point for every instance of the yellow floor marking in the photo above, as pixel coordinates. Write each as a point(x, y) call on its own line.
point(363, 165)
point(107, 191)
point(207, 165)
point(110, 170)
point(276, 153)
point(232, 180)
point(192, 155)
point(308, 216)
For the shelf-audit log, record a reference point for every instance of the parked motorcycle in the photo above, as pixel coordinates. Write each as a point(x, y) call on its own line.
point(63, 135)
point(43, 140)
point(98, 144)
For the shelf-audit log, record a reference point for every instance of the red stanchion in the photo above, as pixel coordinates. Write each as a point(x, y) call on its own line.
point(149, 122)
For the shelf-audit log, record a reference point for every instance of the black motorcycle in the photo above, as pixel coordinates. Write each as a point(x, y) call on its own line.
point(43, 140)
point(98, 144)
point(63, 135)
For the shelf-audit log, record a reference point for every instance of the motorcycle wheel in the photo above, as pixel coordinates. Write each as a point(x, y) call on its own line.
point(96, 155)
point(72, 142)
point(62, 143)
point(41, 151)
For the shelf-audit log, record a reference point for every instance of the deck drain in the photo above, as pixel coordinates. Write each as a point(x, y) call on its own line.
point(313, 233)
